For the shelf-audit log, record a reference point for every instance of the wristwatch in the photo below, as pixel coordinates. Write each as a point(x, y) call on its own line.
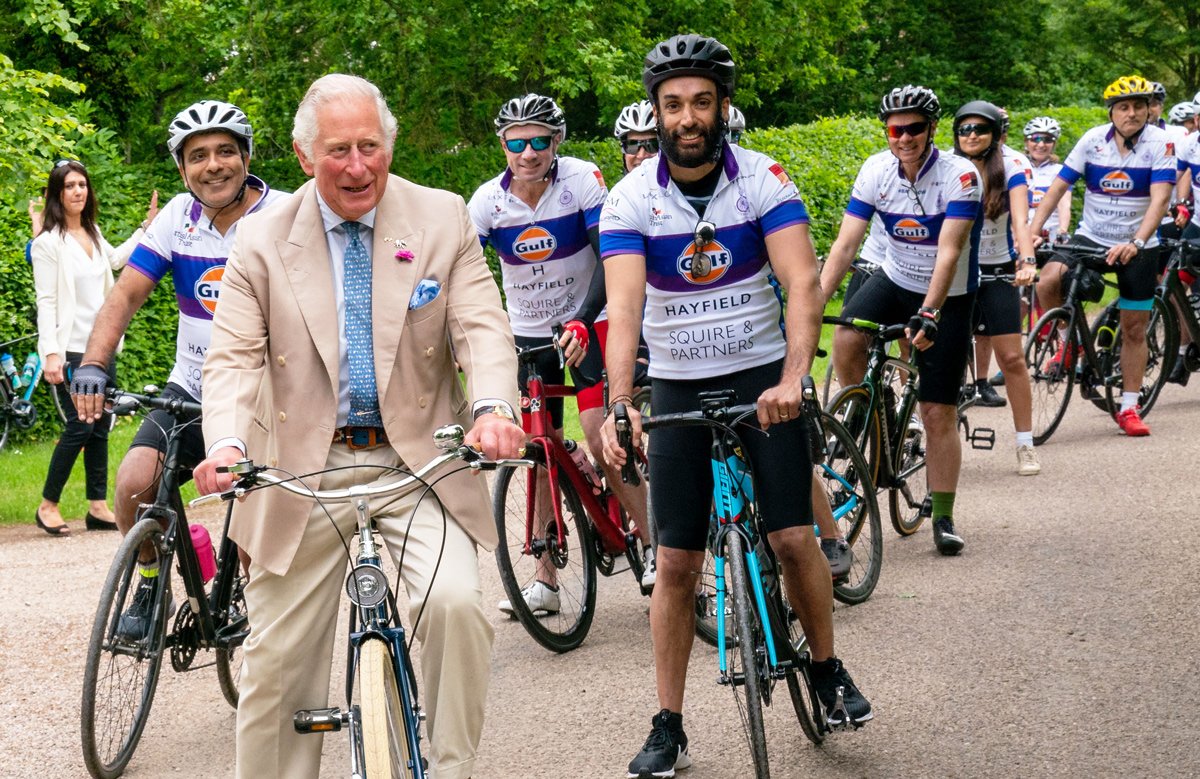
point(931, 313)
point(498, 410)
point(1029, 260)
point(1139, 243)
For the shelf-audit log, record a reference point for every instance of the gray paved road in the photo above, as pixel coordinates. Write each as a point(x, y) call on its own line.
point(1062, 643)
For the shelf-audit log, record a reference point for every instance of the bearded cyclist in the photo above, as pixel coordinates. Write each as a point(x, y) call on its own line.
point(212, 143)
point(542, 216)
point(715, 326)
point(1129, 166)
point(930, 204)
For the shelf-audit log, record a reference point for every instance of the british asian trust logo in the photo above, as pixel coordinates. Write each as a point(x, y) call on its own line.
point(1116, 183)
point(910, 229)
point(720, 260)
point(208, 288)
point(535, 244)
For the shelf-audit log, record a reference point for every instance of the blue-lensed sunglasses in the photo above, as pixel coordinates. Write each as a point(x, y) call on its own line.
point(517, 145)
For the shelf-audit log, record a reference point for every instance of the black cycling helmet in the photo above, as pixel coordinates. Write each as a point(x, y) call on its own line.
point(922, 100)
point(531, 109)
point(990, 114)
point(688, 55)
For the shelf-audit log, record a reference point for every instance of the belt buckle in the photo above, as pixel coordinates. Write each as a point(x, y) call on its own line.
point(359, 438)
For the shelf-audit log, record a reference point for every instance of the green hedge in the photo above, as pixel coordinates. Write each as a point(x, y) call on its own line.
point(822, 156)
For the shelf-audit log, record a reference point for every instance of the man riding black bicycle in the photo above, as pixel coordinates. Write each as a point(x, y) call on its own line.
point(713, 321)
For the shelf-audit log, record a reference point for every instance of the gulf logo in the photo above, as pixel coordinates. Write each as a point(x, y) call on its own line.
point(208, 288)
point(910, 230)
point(1116, 183)
point(719, 258)
point(534, 244)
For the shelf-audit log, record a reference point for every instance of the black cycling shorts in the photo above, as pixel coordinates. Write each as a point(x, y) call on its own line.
point(942, 365)
point(998, 303)
point(681, 478)
point(586, 374)
point(1136, 279)
point(857, 278)
point(158, 423)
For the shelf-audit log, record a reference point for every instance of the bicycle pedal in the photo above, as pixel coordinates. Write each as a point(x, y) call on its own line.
point(832, 720)
point(320, 720)
point(983, 438)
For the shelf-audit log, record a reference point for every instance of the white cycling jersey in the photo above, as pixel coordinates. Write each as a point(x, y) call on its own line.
point(730, 319)
point(947, 187)
point(546, 260)
point(1043, 177)
point(996, 244)
point(1179, 137)
point(874, 248)
point(182, 242)
point(1118, 188)
point(1189, 159)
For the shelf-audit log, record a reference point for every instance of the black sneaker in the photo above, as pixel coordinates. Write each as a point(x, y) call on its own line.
point(838, 553)
point(1180, 373)
point(997, 380)
point(843, 704)
point(944, 537)
point(665, 749)
point(135, 622)
point(986, 395)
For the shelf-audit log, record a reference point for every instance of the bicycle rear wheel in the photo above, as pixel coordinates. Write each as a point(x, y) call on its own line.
point(706, 593)
point(572, 564)
point(229, 659)
point(847, 483)
point(906, 500)
point(804, 697)
point(1162, 342)
point(747, 661)
point(384, 732)
point(1050, 380)
point(121, 674)
point(852, 408)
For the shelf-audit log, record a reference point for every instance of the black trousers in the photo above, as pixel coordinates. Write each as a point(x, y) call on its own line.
point(92, 439)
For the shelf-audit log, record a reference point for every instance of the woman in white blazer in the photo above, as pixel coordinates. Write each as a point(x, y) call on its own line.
point(72, 274)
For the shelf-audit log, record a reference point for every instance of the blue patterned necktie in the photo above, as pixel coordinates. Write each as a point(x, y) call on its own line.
point(356, 287)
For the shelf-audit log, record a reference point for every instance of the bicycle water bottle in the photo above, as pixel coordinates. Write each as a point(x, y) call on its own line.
point(580, 458)
point(31, 365)
point(10, 370)
point(204, 551)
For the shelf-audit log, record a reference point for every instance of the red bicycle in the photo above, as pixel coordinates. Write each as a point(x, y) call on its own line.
point(558, 525)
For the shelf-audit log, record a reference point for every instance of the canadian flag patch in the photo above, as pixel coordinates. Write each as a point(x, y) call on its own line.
point(780, 174)
point(600, 177)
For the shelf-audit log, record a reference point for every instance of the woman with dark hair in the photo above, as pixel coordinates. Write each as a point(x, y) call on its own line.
point(978, 127)
point(72, 274)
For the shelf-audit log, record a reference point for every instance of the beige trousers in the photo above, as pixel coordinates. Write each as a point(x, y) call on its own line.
point(293, 619)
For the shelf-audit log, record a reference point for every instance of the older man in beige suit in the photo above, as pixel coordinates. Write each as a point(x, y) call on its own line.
point(332, 347)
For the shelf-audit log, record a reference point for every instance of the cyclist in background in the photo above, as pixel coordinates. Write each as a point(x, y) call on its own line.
point(1184, 115)
point(1187, 190)
point(715, 324)
point(634, 130)
point(1041, 136)
point(542, 215)
point(737, 126)
point(1178, 136)
point(929, 203)
point(212, 143)
point(1003, 239)
point(1129, 167)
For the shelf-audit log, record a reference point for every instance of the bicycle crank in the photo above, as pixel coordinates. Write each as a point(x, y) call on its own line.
point(185, 638)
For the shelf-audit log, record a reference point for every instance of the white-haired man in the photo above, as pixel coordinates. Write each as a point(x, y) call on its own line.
point(304, 372)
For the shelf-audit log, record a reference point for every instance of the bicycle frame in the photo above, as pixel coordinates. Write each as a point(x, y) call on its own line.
point(1172, 288)
point(877, 361)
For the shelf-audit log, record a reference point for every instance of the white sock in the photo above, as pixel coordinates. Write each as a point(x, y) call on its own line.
point(1024, 439)
point(1129, 400)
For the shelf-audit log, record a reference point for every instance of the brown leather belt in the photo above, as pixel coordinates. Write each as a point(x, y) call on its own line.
point(360, 437)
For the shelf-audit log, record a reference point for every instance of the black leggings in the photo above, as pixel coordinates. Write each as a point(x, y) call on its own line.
point(92, 439)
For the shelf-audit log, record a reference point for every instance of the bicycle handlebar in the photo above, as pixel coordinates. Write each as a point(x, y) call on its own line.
point(1046, 250)
point(125, 403)
point(448, 439)
point(884, 333)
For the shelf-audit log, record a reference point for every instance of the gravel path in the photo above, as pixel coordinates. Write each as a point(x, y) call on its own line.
point(1061, 643)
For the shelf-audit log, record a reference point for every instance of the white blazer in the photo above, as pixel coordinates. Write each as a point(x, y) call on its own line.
point(55, 286)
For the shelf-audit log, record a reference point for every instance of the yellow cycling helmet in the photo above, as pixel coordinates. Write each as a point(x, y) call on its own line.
point(1127, 88)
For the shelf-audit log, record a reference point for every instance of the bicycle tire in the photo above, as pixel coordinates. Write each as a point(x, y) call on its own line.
point(852, 408)
point(557, 632)
point(1050, 384)
point(706, 594)
point(229, 659)
point(384, 734)
point(1162, 341)
point(749, 637)
point(907, 498)
point(103, 759)
point(861, 526)
point(804, 699)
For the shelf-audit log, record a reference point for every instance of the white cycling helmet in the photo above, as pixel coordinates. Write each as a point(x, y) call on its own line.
point(205, 116)
point(635, 118)
point(1043, 124)
point(1181, 112)
point(737, 122)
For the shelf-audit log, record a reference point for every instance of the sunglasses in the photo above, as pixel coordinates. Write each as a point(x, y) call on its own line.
point(974, 128)
point(897, 131)
point(631, 147)
point(1041, 139)
point(517, 145)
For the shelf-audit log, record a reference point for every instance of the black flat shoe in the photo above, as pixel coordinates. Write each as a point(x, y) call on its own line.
point(60, 530)
point(95, 523)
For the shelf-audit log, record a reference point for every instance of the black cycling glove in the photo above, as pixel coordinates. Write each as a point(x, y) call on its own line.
point(924, 324)
point(89, 380)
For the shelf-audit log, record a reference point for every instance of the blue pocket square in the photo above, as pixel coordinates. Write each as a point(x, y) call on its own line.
point(425, 292)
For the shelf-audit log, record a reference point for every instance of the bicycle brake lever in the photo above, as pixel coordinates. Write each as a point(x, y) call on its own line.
point(629, 472)
point(556, 333)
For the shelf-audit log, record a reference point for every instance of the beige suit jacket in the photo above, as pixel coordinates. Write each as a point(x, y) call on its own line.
point(271, 373)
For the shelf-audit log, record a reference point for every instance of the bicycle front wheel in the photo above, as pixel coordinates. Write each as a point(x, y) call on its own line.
point(1162, 349)
point(846, 480)
point(557, 575)
point(852, 408)
point(384, 732)
point(906, 500)
point(1050, 379)
point(747, 660)
point(121, 671)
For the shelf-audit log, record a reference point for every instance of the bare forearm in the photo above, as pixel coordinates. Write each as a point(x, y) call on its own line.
point(954, 236)
point(621, 350)
point(803, 319)
point(112, 321)
point(1160, 199)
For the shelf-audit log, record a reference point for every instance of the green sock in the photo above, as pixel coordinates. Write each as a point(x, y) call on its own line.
point(148, 570)
point(943, 504)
